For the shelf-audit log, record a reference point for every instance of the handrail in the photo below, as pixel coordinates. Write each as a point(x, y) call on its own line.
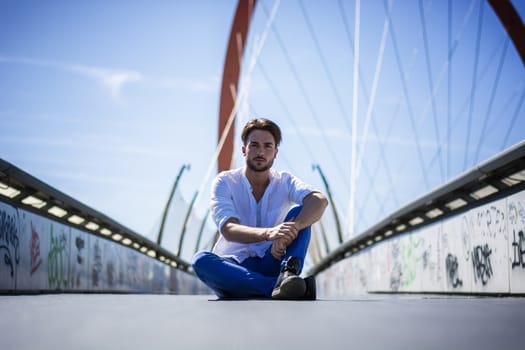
point(22, 190)
point(499, 176)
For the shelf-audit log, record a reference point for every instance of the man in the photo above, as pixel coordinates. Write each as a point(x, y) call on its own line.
point(262, 246)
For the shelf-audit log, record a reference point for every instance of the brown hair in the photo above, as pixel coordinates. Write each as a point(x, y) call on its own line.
point(261, 124)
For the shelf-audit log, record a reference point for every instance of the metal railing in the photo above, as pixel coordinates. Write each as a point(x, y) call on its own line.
point(495, 178)
point(22, 190)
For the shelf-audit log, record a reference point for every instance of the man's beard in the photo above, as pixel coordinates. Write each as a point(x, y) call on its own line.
point(258, 168)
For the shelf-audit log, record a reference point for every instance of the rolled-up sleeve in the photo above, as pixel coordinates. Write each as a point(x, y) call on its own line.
point(222, 207)
point(298, 190)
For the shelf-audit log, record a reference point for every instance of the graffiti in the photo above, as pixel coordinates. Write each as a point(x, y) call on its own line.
point(452, 265)
point(35, 258)
point(58, 262)
point(97, 264)
point(110, 272)
point(519, 250)
point(491, 221)
point(481, 263)
point(132, 269)
point(516, 212)
point(466, 234)
point(395, 277)
point(410, 261)
point(9, 242)
point(80, 244)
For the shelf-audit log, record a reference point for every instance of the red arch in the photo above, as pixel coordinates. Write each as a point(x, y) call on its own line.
point(230, 78)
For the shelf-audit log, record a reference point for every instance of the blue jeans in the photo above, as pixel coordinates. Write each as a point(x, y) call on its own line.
point(254, 277)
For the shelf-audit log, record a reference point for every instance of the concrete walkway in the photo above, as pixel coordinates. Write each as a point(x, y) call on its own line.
point(156, 322)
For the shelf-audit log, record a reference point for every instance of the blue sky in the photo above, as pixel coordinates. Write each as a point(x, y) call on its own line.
point(106, 100)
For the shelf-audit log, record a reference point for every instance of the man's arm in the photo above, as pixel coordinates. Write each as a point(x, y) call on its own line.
point(233, 231)
point(314, 205)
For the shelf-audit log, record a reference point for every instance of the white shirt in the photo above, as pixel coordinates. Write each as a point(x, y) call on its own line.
point(232, 198)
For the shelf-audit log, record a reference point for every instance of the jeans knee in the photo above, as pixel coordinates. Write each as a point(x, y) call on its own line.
point(199, 260)
point(294, 212)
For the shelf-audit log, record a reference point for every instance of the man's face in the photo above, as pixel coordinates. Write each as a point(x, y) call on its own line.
point(260, 150)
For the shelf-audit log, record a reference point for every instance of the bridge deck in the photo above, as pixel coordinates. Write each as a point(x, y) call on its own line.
point(200, 322)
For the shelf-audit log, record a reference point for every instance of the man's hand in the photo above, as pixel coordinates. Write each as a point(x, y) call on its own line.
point(287, 232)
point(282, 236)
point(278, 248)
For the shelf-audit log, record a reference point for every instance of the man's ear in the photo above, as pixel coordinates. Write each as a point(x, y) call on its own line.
point(276, 151)
point(243, 148)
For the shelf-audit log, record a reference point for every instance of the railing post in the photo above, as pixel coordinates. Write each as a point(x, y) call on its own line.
point(168, 203)
point(329, 194)
point(183, 232)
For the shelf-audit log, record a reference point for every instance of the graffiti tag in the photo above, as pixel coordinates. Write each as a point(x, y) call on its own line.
point(452, 265)
point(58, 262)
point(35, 258)
point(519, 250)
point(9, 241)
point(481, 263)
point(97, 265)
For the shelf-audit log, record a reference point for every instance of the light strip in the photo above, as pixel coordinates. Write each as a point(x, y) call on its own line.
point(57, 211)
point(8, 191)
point(34, 202)
point(401, 227)
point(92, 226)
point(116, 237)
point(434, 213)
point(456, 203)
point(484, 192)
point(75, 219)
point(515, 178)
point(106, 232)
point(416, 221)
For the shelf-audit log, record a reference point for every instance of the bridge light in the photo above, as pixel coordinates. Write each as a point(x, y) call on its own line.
point(136, 245)
point(484, 192)
point(34, 202)
point(434, 213)
point(127, 241)
point(456, 203)
point(143, 249)
point(514, 179)
point(401, 227)
point(378, 238)
point(92, 226)
point(106, 232)
point(8, 191)
point(416, 221)
point(75, 219)
point(389, 233)
point(116, 237)
point(57, 211)
point(152, 253)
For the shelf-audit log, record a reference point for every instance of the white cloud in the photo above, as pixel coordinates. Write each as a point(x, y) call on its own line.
point(111, 79)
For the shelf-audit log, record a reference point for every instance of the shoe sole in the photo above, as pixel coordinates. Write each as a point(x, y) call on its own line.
point(293, 288)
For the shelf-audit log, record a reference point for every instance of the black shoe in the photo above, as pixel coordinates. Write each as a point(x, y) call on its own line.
point(311, 293)
point(289, 285)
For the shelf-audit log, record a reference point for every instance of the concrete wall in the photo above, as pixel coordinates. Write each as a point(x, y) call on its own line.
point(480, 251)
point(39, 254)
